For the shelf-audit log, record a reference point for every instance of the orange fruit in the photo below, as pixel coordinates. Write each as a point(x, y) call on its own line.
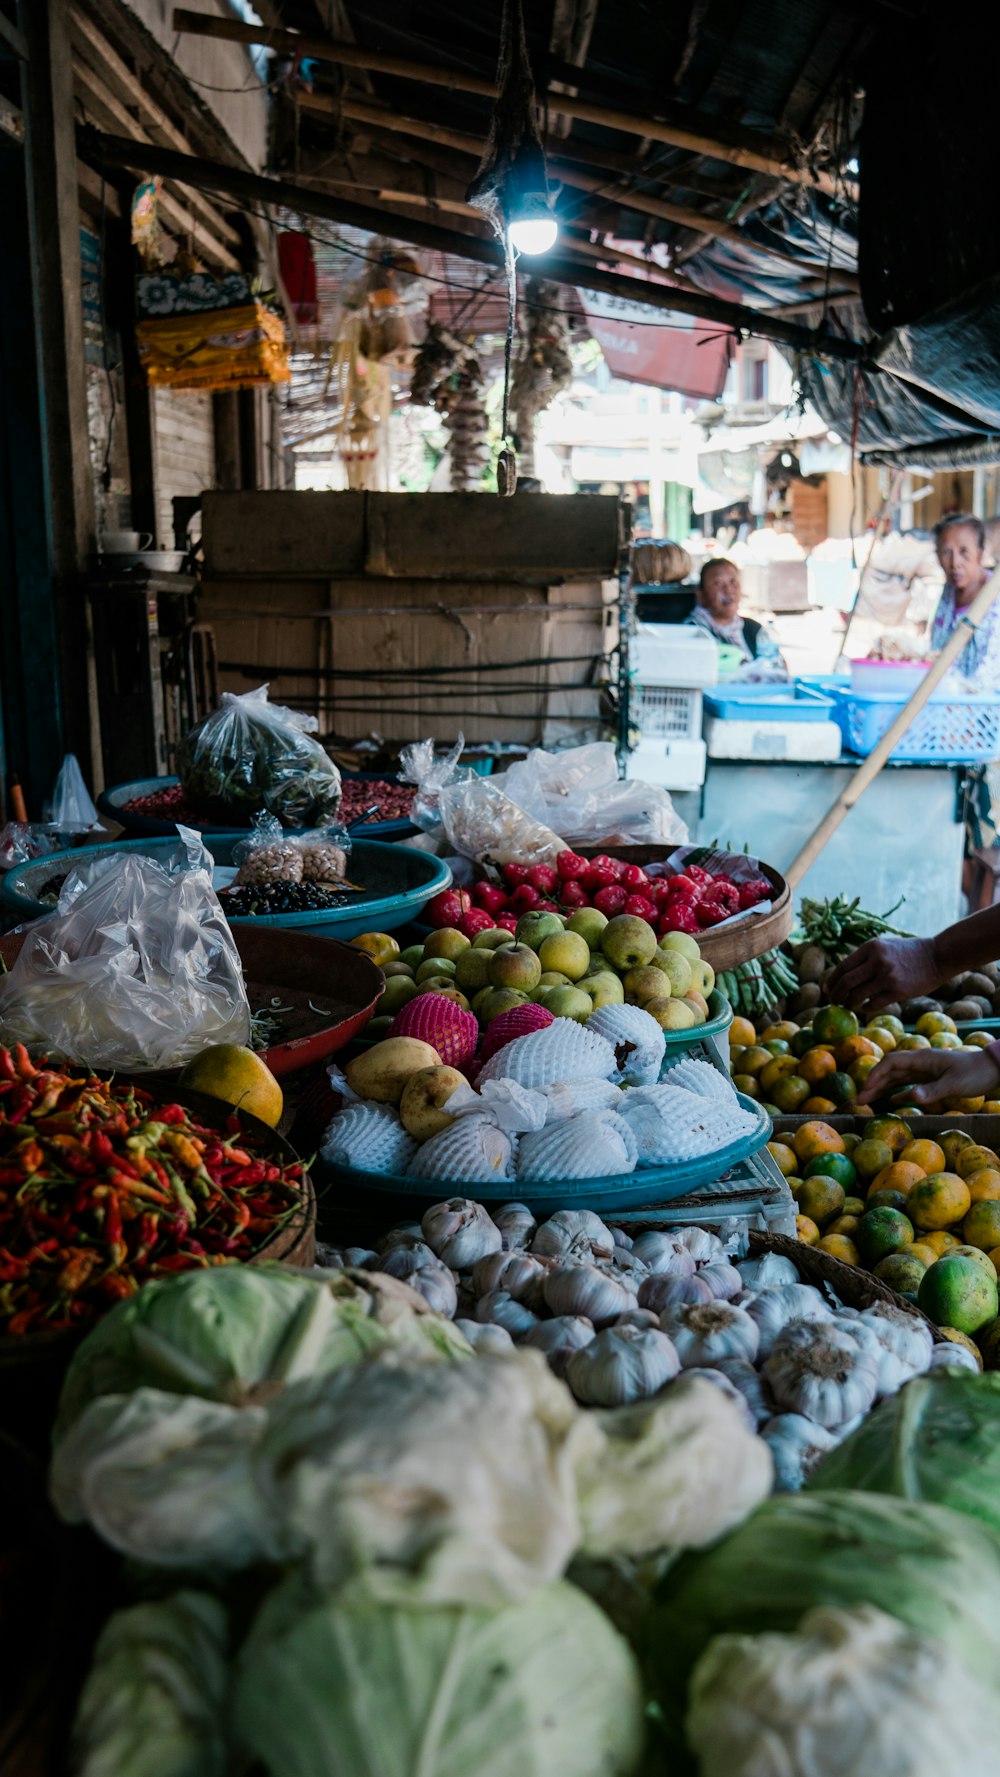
point(931, 1024)
point(854, 1206)
point(952, 1142)
point(892, 1130)
point(900, 1176)
point(882, 1036)
point(790, 1093)
point(981, 1258)
point(926, 1154)
point(913, 1042)
point(840, 1089)
point(742, 1033)
point(995, 1256)
point(973, 1159)
point(860, 1069)
point(755, 1059)
point(783, 1156)
point(964, 1106)
point(774, 1045)
point(845, 1224)
point(815, 1063)
point(852, 1049)
point(984, 1186)
point(820, 1107)
point(834, 1024)
point(820, 1198)
point(919, 1249)
point(817, 1138)
point(956, 1338)
point(940, 1242)
point(806, 1231)
point(777, 1066)
point(992, 1105)
point(746, 1084)
point(784, 1032)
point(939, 1200)
point(851, 1140)
point(838, 1246)
point(981, 1226)
point(871, 1157)
point(887, 1021)
point(978, 1039)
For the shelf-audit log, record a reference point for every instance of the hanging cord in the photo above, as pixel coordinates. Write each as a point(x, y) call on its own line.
point(105, 353)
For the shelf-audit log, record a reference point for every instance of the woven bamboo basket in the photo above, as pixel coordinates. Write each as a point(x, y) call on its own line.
point(853, 1286)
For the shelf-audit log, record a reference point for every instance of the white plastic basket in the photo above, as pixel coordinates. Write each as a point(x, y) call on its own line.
point(667, 712)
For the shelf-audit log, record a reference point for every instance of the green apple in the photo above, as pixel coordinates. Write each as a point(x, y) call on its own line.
point(628, 942)
point(552, 978)
point(644, 984)
point(603, 990)
point(472, 970)
point(676, 968)
point(533, 928)
point(501, 999)
point(682, 942)
point(569, 1002)
point(515, 965)
point(377, 1028)
point(397, 968)
point(434, 983)
point(671, 1014)
point(413, 955)
point(398, 989)
point(479, 1001)
point(588, 923)
point(568, 954)
point(702, 977)
point(492, 938)
point(447, 942)
point(434, 966)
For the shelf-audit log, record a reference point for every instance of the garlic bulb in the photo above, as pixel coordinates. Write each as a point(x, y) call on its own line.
point(722, 1279)
point(768, 1272)
point(405, 1235)
point(664, 1253)
point(797, 1445)
point(500, 1308)
point(822, 1372)
point(665, 1289)
point(460, 1232)
point(638, 1317)
point(732, 1393)
point(747, 1382)
point(362, 1258)
point(583, 1289)
point(516, 1223)
point(574, 1234)
point(622, 1239)
point(947, 1355)
point(622, 1364)
point(559, 1338)
point(424, 1272)
point(487, 1336)
point(704, 1332)
point(520, 1274)
point(623, 1270)
point(703, 1246)
point(906, 1343)
point(775, 1309)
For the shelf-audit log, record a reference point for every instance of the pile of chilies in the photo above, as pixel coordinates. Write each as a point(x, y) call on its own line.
point(101, 1188)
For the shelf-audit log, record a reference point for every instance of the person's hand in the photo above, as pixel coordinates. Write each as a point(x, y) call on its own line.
point(884, 970)
point(929, 1075)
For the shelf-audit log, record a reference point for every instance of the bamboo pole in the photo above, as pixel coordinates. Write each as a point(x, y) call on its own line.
point(869, 770)
point(561, 267)
point(428, 74)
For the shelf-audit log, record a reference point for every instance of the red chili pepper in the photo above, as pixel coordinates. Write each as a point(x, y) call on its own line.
point(7, 1068)
point(136, 1188)
point(26, 1069)
point(10, 1178)
point(171, 1113)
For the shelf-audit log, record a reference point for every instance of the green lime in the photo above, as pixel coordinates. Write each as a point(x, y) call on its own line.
point(882, 1231)
point(836, 1166)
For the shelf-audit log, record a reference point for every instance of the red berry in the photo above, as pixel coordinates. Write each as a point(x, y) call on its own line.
point(573, 894)
point(679, 919)
point(599, 876)
point(571, 866)
point(488, 896)
point(516, 873)
point(475, 921)
point(640, 908)
point(507, 922)
point(634, 879)
point(544, 878)
point(447, 908)
point(611, 901)
point(524, 898)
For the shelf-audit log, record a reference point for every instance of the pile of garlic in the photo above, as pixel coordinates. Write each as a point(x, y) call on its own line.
point(619, 1318)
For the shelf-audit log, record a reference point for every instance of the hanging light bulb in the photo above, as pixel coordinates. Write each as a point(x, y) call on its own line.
point(530, 223)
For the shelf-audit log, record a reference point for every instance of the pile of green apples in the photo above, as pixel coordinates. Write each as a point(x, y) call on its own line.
point(569, 964)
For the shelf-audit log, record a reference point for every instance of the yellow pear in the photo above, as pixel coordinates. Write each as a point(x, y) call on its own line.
point(381, 1072)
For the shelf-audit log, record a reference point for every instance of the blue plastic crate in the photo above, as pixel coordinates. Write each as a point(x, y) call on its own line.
point(795, 702)
point(948, 730)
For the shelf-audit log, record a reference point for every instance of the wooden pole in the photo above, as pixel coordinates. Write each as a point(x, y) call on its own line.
point(869, 770)
point(558, 267)
point(428, 74)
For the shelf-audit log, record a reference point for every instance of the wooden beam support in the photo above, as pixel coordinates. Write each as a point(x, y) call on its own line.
point(572, 28)
point(559, 268)
point(774, 160)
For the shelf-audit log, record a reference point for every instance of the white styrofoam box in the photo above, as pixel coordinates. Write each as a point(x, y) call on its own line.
point(673, 764)
point(666, 712)
point(817, 742)
point(673, 654)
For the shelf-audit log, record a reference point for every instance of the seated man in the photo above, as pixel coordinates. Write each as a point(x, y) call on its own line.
point(718, 613)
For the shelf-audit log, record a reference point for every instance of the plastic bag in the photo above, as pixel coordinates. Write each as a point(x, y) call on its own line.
point(273, 855)
point(419, 765)
point(578, 793)
point(136, 970)
point(250, 755)
point(16, 845)
point(71, 802)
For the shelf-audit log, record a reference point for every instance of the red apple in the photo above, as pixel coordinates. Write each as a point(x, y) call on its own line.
point(488, 896)
point(571, 866)
point(574, 895)
point(475, 921)
point(681, 918)
point(634, 879)
point(516, 873)
point(447, 908)
point(610, 901)
point(544, 878)
point(660, 891)
point(599, 876)
point(710, 913)
point(603, 862)
point(523, 899)
point(640, 908)
point(507, 922)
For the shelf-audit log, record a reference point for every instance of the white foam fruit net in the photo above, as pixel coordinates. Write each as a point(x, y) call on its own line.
point(369, 1137)
point(670, 1123)
point(635, 1037)
point(595, 1145)
point(563, 1051)
point(699, 1076)
point(472, 1151)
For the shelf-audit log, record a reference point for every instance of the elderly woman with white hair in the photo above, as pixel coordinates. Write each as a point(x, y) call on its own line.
point(961, 545)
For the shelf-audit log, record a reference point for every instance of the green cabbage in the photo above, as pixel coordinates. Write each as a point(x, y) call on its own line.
point(938, 1439)
point(546, 1688)
point(154, 1702)
point(928, 1566)
point(224, 1332)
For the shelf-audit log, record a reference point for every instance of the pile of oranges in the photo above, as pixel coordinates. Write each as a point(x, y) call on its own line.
point(818, 1069)
point(899, 1205)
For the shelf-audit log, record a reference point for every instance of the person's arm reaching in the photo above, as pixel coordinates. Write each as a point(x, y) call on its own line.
point(929, 1075)
point(887, 969)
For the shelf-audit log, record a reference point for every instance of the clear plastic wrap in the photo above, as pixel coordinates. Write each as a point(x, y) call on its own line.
point(272, 854)
point(418, 764)
point(136, 970)
point(250, 756)
point(71, 801)
point(579, 794)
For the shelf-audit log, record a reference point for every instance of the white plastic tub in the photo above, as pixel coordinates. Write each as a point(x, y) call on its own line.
point(899, 678)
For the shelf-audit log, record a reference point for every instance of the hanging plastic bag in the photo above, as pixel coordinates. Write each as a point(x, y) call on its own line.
point(420, 765)
point(137, 970)
point(251, 756)
point(71, 802)
point(579, 793)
